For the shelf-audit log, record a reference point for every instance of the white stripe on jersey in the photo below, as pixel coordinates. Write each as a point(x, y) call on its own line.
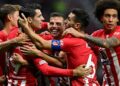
point(112, 81)
point(116, 63)
point(15, 82)
point(23, 83)
point(9, 82)
point(94, 84)
point(107, 68)
point(90, 85)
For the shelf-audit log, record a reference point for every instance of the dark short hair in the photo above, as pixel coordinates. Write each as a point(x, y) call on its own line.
point(81, 16)
point(56, 14)
point(29, 9)
point(102, 5)
point(33, 6)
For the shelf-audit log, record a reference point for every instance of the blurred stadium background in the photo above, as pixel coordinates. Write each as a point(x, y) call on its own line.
point(63, 6)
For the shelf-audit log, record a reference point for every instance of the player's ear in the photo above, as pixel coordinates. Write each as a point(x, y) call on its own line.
point(29, 19)
point(77, 25)
point(117, 20)
point(9, 17)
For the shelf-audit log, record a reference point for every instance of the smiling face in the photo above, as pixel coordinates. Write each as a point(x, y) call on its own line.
point(110, 19)
point(56, 26)
point(37, 20)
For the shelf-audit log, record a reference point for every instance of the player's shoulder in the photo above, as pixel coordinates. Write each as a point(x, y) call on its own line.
point(2, 32)
point(73, 40)
point(118, 28)
point(3, 36)
point(97, 32)
point(46, 36)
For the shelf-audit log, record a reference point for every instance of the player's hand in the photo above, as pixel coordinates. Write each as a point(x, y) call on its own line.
point(30, 50)
point(2, 78)
point(73, 32)
point(23, 22)
point(62, 56)
point(45, 33)
point(19, 59)
point(21, 39)
point(82, 71)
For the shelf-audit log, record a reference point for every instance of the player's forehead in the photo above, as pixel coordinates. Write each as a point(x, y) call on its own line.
point(56, 19)
point(38, 12)
point(111, 11)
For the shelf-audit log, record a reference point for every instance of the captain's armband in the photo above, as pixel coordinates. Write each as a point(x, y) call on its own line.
point(56, 45)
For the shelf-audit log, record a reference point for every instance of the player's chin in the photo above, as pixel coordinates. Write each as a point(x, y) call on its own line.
point(15, 24)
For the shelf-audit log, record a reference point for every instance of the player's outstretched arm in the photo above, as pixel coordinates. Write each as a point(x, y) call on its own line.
point(12, 42)
point(106, 43)
point(80, 71)
point(34, 52)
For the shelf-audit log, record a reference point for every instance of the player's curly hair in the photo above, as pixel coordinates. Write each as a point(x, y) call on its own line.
point(102, 5)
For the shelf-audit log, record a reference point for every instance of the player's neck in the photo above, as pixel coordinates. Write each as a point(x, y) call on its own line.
point(80, 30)
point(108, 31)
point(7, 28)
point(57, 38)
point(32, 28)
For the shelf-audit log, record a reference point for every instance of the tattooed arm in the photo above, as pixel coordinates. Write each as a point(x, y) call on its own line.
point(106, 43)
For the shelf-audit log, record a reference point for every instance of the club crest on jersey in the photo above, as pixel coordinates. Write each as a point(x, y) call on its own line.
point(55, 43)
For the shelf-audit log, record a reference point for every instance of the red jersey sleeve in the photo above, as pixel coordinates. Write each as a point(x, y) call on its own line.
point(3, 36)
point(67, 43)
point(50, 70)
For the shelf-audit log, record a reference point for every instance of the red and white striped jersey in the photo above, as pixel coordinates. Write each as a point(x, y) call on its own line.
point(23, 76)
point(111, 63)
